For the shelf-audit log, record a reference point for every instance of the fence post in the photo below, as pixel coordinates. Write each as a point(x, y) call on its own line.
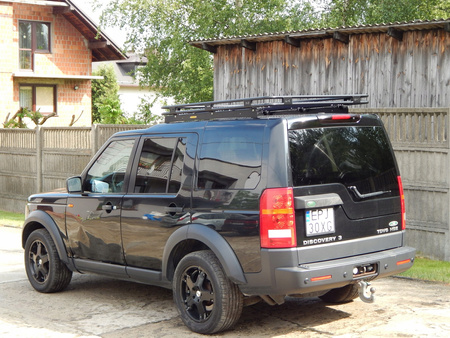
point(94, 139)
point(39, 146)
point(447, 176)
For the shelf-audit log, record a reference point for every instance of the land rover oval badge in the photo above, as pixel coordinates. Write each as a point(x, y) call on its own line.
point(311, 204)
point(393, 223)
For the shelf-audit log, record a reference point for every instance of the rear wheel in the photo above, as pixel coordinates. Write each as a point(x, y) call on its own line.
point(341, 295)
point(206, 299)
point(45, 271)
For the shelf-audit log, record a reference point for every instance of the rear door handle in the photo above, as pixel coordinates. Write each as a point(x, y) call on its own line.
point(173, 209)
point(109, 207)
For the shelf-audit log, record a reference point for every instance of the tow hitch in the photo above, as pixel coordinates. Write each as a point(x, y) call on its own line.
point(365, 293)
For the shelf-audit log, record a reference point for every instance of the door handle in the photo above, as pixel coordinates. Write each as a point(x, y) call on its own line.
point(109, 207)
point(173, 209)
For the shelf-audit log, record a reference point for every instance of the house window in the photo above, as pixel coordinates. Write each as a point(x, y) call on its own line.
point(34, 37)
point(41, 98)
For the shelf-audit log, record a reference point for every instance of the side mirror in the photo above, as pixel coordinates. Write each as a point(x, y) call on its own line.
point(74, 184)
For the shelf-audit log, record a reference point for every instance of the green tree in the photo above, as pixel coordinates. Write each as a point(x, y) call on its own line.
point(365, 12)
point(161, 29)
point(105, 98)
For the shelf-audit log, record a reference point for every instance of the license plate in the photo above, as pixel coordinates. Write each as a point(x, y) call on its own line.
point(319, 222)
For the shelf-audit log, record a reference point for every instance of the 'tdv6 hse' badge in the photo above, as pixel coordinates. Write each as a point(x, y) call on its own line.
point(393, 226)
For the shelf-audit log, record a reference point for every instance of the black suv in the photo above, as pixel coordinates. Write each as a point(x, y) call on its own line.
point(228, 203)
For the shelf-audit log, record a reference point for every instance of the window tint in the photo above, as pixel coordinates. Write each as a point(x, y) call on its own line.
point(230, 156)
point(353, 156)
point(107, 174)
point(160, 165)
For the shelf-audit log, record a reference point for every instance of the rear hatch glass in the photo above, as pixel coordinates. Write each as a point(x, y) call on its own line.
point(354, 163)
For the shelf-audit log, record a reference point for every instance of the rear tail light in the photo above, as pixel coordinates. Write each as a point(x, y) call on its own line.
point(277, 219)
point(402, 202)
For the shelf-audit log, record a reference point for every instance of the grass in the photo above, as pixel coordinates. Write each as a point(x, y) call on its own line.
point(423, 268)
point(428, 269)
point(11, 218)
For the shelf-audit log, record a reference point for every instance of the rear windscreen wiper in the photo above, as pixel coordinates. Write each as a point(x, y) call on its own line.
point(363, 196)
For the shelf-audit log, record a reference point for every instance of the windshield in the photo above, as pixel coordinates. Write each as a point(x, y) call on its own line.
point(357, 157)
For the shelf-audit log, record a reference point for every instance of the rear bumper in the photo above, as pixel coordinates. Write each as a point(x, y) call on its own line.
point(325, 275)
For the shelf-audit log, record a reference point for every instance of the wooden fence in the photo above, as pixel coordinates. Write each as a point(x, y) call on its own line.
point(40, 160)
point(420, 141)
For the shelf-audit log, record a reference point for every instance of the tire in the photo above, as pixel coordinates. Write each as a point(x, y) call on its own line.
point(206, 299)
point(45, 271)
point(342, 295)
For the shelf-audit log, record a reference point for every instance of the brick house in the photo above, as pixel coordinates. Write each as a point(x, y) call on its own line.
point(47, 49)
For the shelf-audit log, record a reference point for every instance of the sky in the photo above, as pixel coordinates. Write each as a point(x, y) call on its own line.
point(117, 35)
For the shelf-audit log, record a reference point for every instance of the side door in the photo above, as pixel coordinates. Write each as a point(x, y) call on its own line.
point(158, 198)
point(93, 215)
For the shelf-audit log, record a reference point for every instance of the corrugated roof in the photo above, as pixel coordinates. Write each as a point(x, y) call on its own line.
point(210, 44)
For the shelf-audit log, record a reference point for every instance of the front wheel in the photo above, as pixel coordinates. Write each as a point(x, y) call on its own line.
point(45, 271)
point(206, 299)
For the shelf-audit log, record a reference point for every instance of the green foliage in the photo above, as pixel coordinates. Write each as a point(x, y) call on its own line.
point(144, 114)
point(161, 30)
point(11, 218)
point(427, 269)
point(105, 98)
point(366, 12)
point(18, 119)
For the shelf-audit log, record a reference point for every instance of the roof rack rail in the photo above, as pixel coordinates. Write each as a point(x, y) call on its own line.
point(253, 107)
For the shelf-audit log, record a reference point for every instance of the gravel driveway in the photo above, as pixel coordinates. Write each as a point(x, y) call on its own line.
point(95, 306)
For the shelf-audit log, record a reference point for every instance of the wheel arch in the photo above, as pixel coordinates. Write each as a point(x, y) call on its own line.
point(195, 237)
point(41, 220)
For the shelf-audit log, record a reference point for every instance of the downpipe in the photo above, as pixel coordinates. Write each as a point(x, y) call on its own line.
point(366, 294)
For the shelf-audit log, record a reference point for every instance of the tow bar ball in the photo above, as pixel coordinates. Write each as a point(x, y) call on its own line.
point(366, 294)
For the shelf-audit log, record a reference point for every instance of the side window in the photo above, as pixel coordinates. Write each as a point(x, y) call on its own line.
point(230, 157)
point(107, 174)
point(160, 166)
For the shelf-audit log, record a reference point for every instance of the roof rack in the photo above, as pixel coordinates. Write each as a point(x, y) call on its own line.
point(253, 107)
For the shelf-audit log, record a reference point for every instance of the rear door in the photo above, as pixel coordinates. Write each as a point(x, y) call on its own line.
point(346, 185)
point(158, 198)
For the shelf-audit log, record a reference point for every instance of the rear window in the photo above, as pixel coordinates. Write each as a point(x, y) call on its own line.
point(358, 157)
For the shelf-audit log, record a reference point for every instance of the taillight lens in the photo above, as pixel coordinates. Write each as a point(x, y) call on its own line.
point(402, 202)
point(277, 218)
point(341, 117)
point(338, 118)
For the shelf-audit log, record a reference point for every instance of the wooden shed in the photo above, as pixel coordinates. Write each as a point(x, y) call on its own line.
point(405, 69)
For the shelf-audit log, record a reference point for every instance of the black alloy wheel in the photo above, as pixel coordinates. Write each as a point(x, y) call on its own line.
point(45, 271)
point(39, 261)
point(197, 292)
point(206, 299)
